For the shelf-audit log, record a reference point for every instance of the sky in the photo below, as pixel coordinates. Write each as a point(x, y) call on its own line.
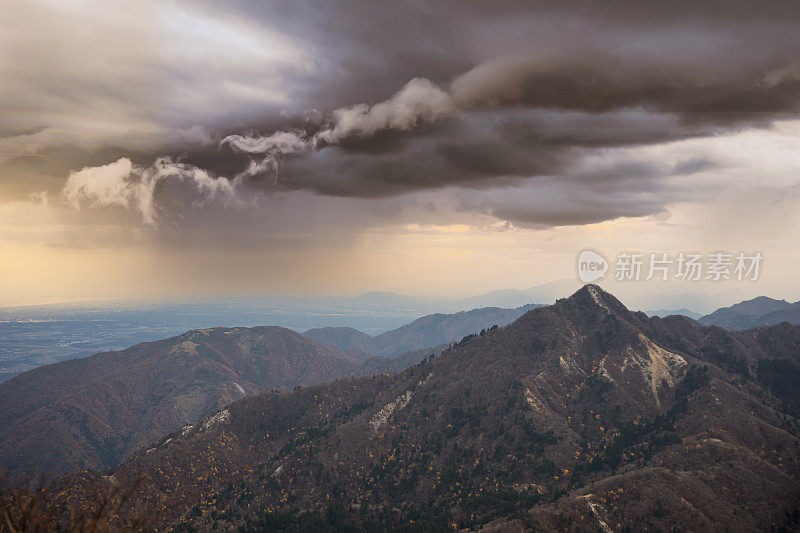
point(174, 149)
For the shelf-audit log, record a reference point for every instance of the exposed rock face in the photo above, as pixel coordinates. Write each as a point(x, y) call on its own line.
point(381, 417)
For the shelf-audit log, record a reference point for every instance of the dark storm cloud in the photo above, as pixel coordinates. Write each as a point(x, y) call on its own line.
point(591, 55)
point(600, 84)
point(395, 98)
point(533, 85)
point(478, 149)
point(547, 204)
point(468, 151)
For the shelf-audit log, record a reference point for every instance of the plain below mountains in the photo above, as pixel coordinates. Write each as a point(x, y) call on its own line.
point(580, 416)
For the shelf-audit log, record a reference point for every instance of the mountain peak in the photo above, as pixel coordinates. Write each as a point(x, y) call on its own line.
point(591, 295)
point(592, 289)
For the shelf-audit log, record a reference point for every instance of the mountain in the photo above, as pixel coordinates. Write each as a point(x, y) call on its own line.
point(789, 314)
point(105, 406)
point(431, 330)
point(92, 412)
point(543, 294)
point(344, 338)
point(577, 416)
point(702, 299)
point(761, 311)
point(667, 312)
point(505, 298)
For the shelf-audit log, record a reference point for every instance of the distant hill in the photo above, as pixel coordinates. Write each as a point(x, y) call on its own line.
point(667, 312)
point(761, 311)
point(580, 416)
point(541, 294)
point(343, 338)
point(92, 412)
point(505, 298)
point(427, 331)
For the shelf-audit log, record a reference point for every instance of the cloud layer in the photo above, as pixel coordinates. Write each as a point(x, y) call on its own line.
point(560, 113)
point(123, 184)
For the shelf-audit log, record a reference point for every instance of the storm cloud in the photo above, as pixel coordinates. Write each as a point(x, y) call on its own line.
point(536, 114)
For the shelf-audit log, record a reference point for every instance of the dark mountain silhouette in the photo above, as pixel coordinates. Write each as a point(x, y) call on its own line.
point(578, 416)
point(431, 330)
point(761, 311)
point(92, 412)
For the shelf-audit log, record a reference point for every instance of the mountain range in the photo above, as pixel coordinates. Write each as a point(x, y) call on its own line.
point(760, 311)
point(92, 412)
point(582, 415)
point(32, 336)
point(667, 312)
point(425, 332)
point(95, 411)
point(36, 335)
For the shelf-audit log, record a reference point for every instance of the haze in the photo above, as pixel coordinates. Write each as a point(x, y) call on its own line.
point(188, 149)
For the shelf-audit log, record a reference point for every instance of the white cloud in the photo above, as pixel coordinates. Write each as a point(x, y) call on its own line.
point(285, 142)
point(109, 184)
point(418, 102)
point(123, 184)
